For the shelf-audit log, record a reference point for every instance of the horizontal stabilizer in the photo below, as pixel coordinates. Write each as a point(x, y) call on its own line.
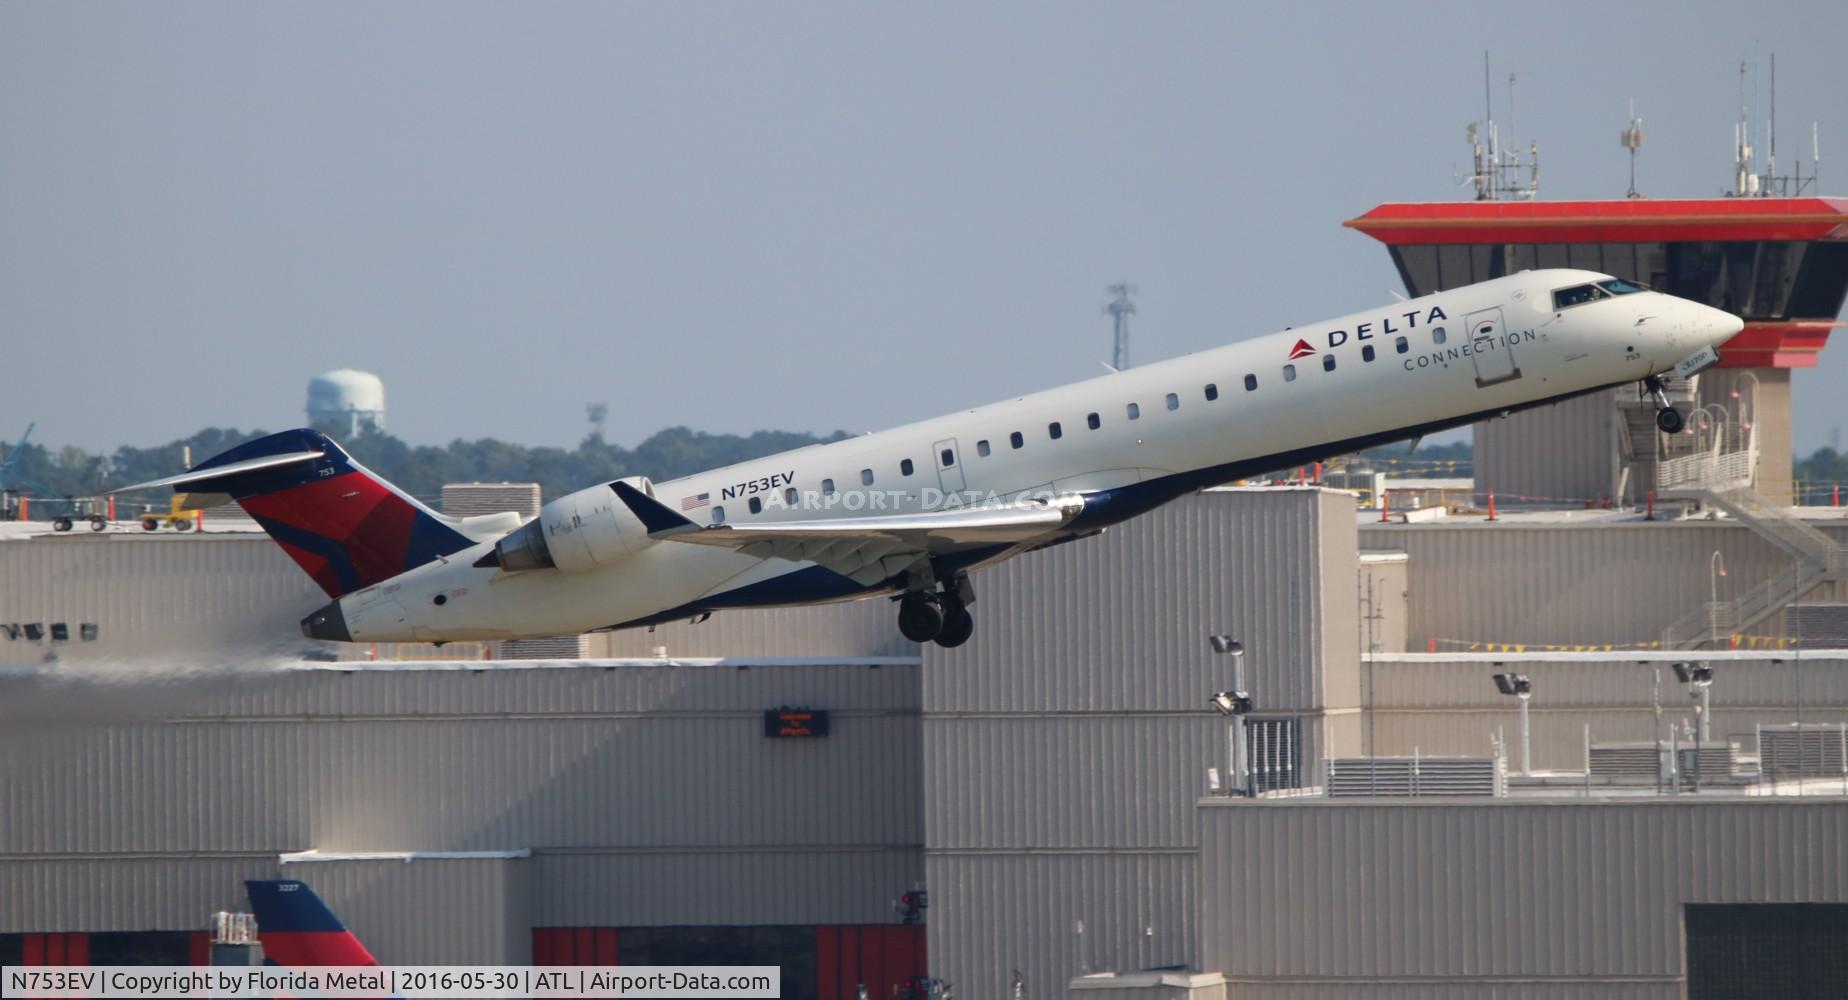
point(203, 473)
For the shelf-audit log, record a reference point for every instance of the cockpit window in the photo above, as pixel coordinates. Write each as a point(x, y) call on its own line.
point(1618, 286)
point(1577, 295)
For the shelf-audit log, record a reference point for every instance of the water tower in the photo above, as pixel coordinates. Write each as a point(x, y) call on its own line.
point(347, 401)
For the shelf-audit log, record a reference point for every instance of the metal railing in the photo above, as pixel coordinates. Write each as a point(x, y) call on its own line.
point(1712, 466)
point(1718, 622)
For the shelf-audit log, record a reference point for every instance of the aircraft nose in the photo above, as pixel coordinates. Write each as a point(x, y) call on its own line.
point(1716, 326)
point(328, 623)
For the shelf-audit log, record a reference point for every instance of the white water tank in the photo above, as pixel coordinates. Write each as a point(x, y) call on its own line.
point(347, 400)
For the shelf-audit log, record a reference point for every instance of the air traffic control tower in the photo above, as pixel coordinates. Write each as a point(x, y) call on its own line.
point(1780, 263)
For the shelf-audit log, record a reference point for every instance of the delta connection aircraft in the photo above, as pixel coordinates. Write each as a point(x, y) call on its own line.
point(909, 513)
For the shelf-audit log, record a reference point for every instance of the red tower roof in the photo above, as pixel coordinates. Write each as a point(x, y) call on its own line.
point(1632, 220)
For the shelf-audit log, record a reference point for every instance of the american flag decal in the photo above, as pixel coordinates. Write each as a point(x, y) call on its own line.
point(699, 500)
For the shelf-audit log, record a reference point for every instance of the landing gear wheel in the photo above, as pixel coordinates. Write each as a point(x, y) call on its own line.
point(958, 626)
point(1670, 421)
point(919, 618)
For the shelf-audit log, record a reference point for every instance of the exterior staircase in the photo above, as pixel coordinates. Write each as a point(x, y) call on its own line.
point(1720, 477)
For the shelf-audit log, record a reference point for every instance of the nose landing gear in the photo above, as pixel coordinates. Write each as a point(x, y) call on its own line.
point(938, 616)
point(1668, 419)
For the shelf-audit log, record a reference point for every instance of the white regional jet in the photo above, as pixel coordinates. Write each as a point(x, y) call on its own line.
point(910, 512)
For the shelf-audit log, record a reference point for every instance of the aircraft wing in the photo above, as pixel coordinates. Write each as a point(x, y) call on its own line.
point(868, 549)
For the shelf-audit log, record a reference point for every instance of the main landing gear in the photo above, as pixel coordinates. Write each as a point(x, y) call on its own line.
point(938, 616)
point(1668, 419)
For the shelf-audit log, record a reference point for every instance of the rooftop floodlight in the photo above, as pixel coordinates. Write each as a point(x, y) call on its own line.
point(1514, 684)
point(1232, 703)
point(1226, 644)
point(1520, 687)
point(1700, 673)
point(1682, 672)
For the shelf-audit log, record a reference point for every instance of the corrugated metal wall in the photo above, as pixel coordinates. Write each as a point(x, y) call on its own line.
point(1561, 452)
point(1447, 704)
point(157, 595)
point(406, 912)
point(845, 882)
point(1053, 915)
point(1567, 898)
point(1566, 583)
point(628, 762)
point(1066, 744)
point(1119, 622)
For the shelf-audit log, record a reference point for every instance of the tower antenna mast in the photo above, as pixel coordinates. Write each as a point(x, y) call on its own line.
point(1120, 309)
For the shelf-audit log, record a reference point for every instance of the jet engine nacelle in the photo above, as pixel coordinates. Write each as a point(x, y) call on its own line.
point(585, 530)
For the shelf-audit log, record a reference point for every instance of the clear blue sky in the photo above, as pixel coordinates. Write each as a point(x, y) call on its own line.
point(758, 215)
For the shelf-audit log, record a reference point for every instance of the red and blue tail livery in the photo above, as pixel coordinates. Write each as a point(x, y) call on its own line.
point(297, 929)
point(345, 527)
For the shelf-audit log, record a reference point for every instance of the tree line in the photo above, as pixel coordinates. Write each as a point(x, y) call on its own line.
point(420, 470)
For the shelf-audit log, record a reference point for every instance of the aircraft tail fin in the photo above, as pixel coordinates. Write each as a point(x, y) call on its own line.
point(297, 929)
point(344, 526)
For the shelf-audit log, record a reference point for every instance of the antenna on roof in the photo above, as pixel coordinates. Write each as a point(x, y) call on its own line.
point(1632, 140)
point(1495, 167)
point(1745, 181)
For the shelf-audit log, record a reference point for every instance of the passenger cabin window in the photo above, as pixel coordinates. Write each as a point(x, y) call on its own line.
point(866, 477)
point(905, 467)
point(1577, 295)
point(981, 448)
point(1328, 362)
point(790, 497)
point(1093, 421)
point(1134, 411)
point(1438, 335)
point(947, 457)
point(1366, 352)
point(718, 515)
point(1289, 373)
point(756, 505)
point(827, 487)
point(1016, 440)
point(1212, 392)
point(1399, 344)
point(1174, 402)
point(1054, 431)
point(1251, 382)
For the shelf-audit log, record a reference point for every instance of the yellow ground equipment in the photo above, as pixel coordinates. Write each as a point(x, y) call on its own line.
point(178, 516)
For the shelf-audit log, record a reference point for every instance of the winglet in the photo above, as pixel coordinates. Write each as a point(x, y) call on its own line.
point(654, 515)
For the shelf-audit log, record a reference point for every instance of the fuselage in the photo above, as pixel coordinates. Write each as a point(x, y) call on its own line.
point(1125, 442)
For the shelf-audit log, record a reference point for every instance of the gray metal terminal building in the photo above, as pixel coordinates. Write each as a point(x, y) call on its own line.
point(1058, 788)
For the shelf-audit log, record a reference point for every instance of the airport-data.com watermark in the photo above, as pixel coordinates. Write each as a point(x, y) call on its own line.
point(631, 982)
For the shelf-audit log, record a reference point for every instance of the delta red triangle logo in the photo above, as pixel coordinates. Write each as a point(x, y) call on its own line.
point(1301, 349)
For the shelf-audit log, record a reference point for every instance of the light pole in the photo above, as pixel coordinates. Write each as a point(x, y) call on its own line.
point(1518, 686)
point(1699, 679)
point(1716, 568)
point(1234, 704)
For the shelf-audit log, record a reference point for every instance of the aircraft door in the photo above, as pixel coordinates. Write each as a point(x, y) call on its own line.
point(948, 459)
point(1490, 348)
